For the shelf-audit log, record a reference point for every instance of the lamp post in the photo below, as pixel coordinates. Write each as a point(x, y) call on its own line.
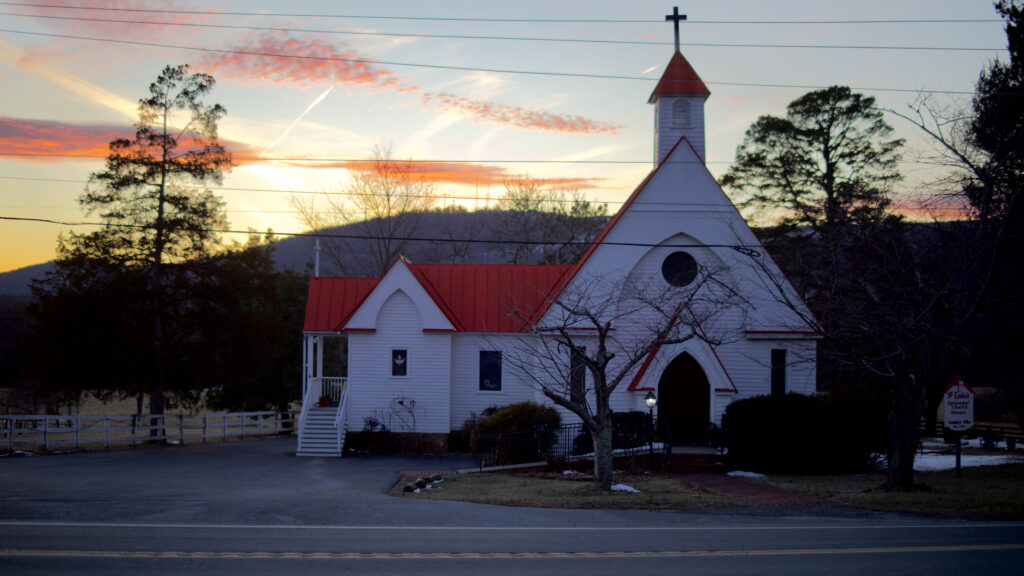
point(651, 402)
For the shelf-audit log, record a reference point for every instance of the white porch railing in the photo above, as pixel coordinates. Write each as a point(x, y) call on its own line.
point(329, 387)
point(333, 387)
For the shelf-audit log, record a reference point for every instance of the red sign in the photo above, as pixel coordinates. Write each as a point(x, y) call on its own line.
point(959, 403)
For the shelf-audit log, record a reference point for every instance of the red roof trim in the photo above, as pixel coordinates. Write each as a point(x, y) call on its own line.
point(732, 385)
point(364, 330)
point(633, 386)
point(625, 207)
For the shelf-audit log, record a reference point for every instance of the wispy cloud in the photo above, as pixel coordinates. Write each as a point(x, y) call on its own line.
point(103, 16)
point(285, 59)
point(264, 58)
point(453, 173)
point(46, 141)
point(520, 117)
point(288, 130)
point(15, 56)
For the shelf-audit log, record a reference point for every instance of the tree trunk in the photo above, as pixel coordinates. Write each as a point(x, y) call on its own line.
point(603, 457)
point(904, 419)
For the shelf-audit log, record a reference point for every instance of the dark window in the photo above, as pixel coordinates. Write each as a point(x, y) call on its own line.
point(399, 362)
point(490, 371)
point(778, 371)
point(679, 269)
point(577, 377)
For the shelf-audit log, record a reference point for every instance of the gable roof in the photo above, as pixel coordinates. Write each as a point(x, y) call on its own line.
point(474, 297)
point(679, 79)
point(622, 211)
point(332, 301)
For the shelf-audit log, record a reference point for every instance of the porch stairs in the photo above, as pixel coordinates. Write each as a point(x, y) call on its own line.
point(319, 436)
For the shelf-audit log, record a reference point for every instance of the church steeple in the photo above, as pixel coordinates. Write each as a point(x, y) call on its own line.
point(678, 108)
point(678, 102)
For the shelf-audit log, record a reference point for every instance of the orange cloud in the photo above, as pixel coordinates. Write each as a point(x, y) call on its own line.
point(453, 173)
point(316, 63)
point(521, 117)
point(45, 141)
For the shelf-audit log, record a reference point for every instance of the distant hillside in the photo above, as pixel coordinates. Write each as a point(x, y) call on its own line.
point(16, 282)
point(439, 237)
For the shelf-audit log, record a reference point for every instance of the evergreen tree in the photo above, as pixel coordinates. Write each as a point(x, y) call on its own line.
point(152, 201)
point(827, 162)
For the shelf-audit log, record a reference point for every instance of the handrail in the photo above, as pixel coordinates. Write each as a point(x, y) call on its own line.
point(307, 405)
point(339, 418)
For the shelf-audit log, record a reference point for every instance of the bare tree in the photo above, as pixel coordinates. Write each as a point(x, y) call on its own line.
point(604, 328)
point(385, 201)
point(546, 226)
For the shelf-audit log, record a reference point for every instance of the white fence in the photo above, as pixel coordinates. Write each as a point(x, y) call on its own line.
point(52, 432)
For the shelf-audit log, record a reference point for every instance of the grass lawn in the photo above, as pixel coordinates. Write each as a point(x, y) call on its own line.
point(995, 492)
point(991, 492)
point(658, 492)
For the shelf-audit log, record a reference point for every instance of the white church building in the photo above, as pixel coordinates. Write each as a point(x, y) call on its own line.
point(428, 345)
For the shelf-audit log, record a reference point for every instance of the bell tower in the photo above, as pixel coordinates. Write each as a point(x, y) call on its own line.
point(678, 103)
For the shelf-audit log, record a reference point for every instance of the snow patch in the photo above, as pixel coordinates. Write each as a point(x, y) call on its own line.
point(744, 474)
point(624, 488)
point(933, 461)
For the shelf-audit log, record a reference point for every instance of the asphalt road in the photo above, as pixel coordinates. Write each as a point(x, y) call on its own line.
point(253, 508)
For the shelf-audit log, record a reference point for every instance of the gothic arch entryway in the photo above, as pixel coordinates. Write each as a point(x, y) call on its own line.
point(684, 401)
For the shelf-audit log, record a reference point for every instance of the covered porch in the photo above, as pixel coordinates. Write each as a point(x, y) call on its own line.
point(323, 417)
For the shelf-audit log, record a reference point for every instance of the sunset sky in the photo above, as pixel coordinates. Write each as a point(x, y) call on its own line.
point(478, 91)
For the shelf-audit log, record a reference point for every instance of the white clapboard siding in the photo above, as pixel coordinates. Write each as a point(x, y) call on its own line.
point(376, 393)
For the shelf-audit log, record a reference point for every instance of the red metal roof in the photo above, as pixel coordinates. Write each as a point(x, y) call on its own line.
point(332, 301)
point(474, 297)
point(679, 79)
point(491, 297)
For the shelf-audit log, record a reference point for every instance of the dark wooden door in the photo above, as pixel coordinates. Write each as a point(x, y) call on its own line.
point(684, 401)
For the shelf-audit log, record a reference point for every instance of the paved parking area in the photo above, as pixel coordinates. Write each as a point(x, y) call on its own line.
point(262, 482)
point(253, 481)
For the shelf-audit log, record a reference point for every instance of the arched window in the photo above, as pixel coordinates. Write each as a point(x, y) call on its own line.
point(681, 114)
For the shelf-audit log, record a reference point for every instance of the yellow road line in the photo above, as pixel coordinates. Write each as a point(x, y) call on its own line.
point(497, 555)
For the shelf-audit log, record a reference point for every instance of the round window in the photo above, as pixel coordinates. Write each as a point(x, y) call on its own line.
point(679, 269)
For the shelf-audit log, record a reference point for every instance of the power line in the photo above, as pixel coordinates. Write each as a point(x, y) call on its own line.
point(373, 62)
point(334, 235)
point(505, 38)
point(315, 192)
point(510, 20)
point(368, 160)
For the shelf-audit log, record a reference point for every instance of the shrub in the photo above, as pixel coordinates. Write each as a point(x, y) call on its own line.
point(798, 434)
point(521, 432)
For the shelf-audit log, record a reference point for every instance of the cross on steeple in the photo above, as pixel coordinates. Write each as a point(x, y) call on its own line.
point(675, 17)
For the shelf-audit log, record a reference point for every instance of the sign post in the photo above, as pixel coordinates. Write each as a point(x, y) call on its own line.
point(959, 411)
